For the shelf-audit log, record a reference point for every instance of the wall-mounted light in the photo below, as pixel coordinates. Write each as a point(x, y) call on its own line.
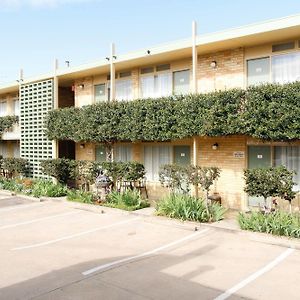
point(81, 86)
point(213, 64)
point(215, 146)
point(82, 146)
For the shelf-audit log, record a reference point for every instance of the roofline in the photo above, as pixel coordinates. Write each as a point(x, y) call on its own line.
point(205, 39)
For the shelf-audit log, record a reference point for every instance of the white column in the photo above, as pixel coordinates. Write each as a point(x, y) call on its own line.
point(112, 73)
point(195, 57)
point(55, 105)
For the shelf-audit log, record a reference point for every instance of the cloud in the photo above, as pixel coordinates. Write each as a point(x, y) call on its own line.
point(15, 4)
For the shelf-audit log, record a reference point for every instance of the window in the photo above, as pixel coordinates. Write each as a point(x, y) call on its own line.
point(125, 74)
point(181, 81)
point(164, 67)
point(258, 71)
point(100, 94)
point(16, 148)
point(154, 158)
point(3, 149)
point(154, 86)
point(16, 107)
point(289, 156)
point(283, 47)
point(3, 106)
point(100, 153)
point(123, 153)
point(124, 90)
point(286, 67)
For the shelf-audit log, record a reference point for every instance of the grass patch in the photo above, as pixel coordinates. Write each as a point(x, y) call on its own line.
point(276, 223)
point(128, 200)
point(186, 207)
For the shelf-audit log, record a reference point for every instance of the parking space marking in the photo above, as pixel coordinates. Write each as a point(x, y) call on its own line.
point(19, 206)
point(39, 220)
point(145, 254)
point(255, 275)
point(68, 237)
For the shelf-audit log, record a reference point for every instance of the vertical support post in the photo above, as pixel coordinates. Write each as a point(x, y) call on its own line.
point(21, 78)
point(112, 73)
point(55, 153)
point(194, 57)
point(195, 162)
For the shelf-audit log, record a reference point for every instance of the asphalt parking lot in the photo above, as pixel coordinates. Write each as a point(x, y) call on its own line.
point(58, 250)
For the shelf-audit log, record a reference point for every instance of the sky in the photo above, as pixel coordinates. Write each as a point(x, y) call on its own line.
point(35, 32)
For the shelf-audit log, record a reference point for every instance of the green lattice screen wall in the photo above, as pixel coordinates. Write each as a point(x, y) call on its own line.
point(36, 99)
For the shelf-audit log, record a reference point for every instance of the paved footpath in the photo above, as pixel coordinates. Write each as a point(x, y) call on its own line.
point(59, 250)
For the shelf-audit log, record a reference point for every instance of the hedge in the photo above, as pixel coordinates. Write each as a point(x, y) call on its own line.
point(7, 122)
point(268, 112)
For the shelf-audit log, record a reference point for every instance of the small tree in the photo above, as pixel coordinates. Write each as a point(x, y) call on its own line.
point(269, 182)
point(175, 177)
point(205, 177)
point(84, 171)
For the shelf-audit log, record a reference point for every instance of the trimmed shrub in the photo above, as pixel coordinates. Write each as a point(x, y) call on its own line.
point(186, 207)
point(277, 223)
point(12, 167)
point(60, 168)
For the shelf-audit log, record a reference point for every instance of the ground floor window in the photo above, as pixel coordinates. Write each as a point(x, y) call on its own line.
point(154, 158)
point(3, 149)
point(123, 153)
point(289, 156)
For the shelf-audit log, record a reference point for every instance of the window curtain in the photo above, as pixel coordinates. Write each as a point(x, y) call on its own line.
point(3, 108)
point(16, 150)
point(154, 86)
point(123, 153)
point(154, 158)
point(3, 150)
point(17, 107)
point(286, 68)
point(290, 158)
point(163, 84)
point(124, 90)
point(147, 87)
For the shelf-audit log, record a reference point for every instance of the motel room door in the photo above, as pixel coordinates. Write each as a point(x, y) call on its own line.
point(258, 157)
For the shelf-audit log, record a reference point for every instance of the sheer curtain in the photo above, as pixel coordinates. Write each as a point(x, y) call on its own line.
point(3, 106)
point(147, 86)
point(123, 153)
point(289, 157)
point(286, 68)
point(154, 86)
point(124, 90)
point(163, 84)
point(154, 158)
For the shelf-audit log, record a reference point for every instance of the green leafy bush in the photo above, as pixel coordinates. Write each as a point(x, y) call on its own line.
point(269, 182)
point(7, 122)
point(268, 112)
point(10, 184)
point(11, 166)
point(59, 168)
point(80, 196)
point(186, 207)
point(47, 188)
point(277, 223)
point(127, 200)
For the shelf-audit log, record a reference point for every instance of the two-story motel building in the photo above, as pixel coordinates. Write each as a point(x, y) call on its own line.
point(259, 53)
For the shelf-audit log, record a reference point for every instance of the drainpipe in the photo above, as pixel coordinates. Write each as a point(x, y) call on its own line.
point(194, 57)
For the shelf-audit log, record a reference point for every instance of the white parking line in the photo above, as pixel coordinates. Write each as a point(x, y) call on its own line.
point(19, 206)
point(73, 235)
point(255, 275)
point(136, 257)
point(39, 219)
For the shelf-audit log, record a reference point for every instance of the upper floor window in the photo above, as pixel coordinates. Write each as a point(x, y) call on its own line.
point(163, 84)
point(258, 71)
point(100, 92)
point(3, 108)
point(16, 107)
point(124, 89)
point(286, 67)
